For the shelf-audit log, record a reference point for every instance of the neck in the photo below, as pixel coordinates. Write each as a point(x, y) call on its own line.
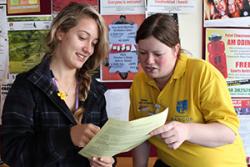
point(161, 82)
point(61, 72)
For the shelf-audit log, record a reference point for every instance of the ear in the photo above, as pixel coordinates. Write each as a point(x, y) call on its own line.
point(177, 49)
point(59, 35)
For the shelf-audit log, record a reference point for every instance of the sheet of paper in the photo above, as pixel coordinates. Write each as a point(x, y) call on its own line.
point(118, 136)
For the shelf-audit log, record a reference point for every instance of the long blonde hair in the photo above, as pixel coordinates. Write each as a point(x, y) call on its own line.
point(64, 21)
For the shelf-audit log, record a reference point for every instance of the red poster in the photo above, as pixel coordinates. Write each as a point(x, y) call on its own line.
point(122, 62)
point(58, 5)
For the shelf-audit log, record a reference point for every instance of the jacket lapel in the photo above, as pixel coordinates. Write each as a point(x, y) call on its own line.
point(42, 78)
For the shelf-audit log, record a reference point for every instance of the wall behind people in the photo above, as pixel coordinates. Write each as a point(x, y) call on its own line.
point(28, 34)
point(22, 37)
point(191, 30)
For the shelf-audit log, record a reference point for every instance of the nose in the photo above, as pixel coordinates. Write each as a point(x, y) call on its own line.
point(149, 59)
point(87, 47)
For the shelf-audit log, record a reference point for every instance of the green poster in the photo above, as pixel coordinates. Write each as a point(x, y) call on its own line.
point(26, 48)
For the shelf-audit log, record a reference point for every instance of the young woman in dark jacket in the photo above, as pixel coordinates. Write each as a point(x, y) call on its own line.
point(53, 110)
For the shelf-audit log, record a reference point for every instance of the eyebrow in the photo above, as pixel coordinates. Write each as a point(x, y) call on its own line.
point(87, 33)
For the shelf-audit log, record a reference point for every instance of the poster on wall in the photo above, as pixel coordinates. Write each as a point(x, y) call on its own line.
point(3, 43)
point(244, 131)
point(3, 2)
point(110, 7)
point(231, 13)
point(170, 6)
point(5, 87)
point(58, 5)
point(242, 107)
point(26, 41)
point(229, 51)
point(122, 61)
point(23, 6)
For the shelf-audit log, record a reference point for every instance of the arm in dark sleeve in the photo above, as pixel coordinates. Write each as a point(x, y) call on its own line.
point(17, 133)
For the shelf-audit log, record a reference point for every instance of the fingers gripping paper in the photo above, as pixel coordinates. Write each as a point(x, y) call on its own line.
point(121, 136)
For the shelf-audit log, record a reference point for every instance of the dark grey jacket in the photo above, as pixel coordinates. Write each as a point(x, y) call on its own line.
point(36, 122)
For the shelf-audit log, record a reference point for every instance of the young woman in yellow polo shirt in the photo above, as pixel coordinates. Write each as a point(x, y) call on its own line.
point(202, 127)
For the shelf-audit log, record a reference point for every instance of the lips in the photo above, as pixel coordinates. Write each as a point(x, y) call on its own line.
point(82, 57)
point(150, 69)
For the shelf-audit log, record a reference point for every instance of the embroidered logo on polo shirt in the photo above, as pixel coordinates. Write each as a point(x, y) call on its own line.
point(182, 106)
point(148, 106)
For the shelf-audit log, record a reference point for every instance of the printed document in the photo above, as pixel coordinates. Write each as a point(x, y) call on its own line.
point(118, 136)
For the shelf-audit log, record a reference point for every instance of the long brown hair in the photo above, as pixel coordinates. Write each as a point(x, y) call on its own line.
point(64, 21)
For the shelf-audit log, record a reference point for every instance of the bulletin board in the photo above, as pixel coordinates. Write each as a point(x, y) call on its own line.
point(135, 13)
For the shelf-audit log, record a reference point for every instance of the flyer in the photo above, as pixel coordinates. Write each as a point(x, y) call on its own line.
point(226, 13)
point(171, 6)
point(23, 6)
point(3, 43)
point(58, 5)
point(26, 41)
point(229, 51)
point(111, 7)
point(122, 61)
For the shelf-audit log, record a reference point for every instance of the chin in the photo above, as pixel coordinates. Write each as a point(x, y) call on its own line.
point(154, 76)
point(79, 65)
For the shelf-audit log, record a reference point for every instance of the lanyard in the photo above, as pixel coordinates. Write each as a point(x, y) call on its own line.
point(63, 95)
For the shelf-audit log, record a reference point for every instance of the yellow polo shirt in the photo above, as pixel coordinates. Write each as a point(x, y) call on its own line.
point(196, 92)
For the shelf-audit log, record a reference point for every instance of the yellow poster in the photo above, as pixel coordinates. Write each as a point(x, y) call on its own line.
point(23, 6)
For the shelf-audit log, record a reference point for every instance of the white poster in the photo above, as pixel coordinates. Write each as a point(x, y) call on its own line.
point(110, 7)
point(5, 86)
point(16, 23)
point(2, 1)
point(171, 6)
point(3, 43)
